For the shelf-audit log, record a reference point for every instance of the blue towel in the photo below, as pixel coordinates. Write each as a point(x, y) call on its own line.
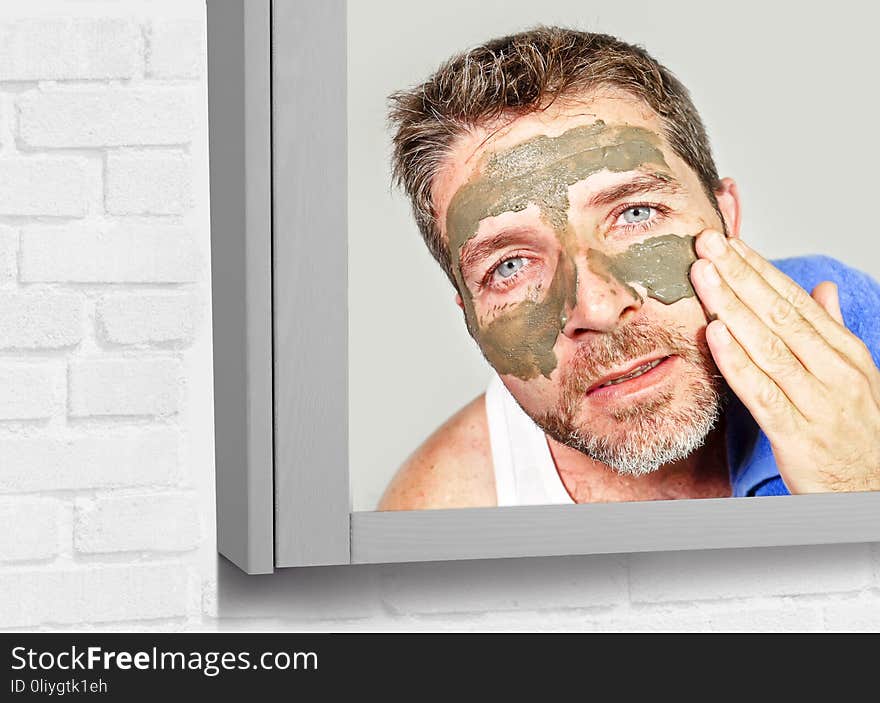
point(753, 469)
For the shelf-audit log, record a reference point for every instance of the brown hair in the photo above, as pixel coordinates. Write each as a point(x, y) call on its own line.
point(521, 73)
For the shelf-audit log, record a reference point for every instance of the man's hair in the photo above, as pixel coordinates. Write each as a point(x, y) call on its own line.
point(522, 73)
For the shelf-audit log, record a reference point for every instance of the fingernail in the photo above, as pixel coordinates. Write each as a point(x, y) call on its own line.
point(714, 242)
point(710, 274)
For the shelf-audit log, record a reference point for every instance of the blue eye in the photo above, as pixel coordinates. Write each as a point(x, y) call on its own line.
point(636, 214)
point(509, 267)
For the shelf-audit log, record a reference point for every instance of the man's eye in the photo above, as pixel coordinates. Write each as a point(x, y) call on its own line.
point(510, 266)
point(639, 213)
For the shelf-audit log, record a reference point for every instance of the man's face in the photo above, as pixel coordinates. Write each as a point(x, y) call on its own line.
point(570, 234)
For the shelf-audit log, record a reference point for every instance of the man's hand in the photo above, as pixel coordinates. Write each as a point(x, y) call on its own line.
point(809, 382)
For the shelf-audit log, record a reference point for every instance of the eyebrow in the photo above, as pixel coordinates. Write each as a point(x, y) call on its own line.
point(473, 251)
point(643, 183)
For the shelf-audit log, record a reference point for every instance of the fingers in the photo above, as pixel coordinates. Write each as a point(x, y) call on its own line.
point(826, 295)
point(766, 402)
point(770, 329)
point(832, 330)
point(764, 348)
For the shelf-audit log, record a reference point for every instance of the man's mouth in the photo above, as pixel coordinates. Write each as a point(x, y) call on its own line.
point(627, 374)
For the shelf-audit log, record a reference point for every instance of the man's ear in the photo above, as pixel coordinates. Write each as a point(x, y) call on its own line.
point(727, 195)
point(459, 301)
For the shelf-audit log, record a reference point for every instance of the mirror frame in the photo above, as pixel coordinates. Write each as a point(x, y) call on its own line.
point(277, 73)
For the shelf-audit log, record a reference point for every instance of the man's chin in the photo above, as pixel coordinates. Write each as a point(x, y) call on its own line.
point(638, 438)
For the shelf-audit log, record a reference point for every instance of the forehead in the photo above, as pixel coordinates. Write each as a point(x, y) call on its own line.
point(470, 153)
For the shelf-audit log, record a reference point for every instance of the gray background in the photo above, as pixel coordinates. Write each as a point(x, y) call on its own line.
point(787, 96)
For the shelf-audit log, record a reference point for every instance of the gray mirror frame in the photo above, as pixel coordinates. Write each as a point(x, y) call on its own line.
point(277, 116)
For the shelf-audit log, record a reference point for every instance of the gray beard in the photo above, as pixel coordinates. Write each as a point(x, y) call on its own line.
point(654, 436)
point(650, 434)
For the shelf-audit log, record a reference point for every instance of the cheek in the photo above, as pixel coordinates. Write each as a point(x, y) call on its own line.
point(688, 312)
point(661, 265)
point(520, 341)
point(687, 317)
point(536, 396)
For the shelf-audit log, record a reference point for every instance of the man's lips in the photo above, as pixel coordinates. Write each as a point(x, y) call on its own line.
point(630, 371)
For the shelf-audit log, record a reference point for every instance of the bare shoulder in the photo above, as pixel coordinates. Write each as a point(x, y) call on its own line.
point(451, 469)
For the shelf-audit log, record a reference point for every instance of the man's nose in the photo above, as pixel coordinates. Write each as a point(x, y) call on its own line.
point(601, 302)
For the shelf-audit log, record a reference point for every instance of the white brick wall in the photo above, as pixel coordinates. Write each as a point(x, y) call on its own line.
point(148, 183)
point(117, 252)
point(66, 48)
point(147, 318)
point(8, 254)
point(150, 522)
point(92, 593)
point(106, 441)
point(124, 386)
point(43, 185)
point(662, 577)
point(94, 460)
point(175, 49)
point(40, 320)
point(106, 117)
point(30, 528)
point(578, 583)
point(31, 391)
point(106, 464)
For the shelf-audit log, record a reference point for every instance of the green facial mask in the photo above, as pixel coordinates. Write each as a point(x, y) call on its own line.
point(539, 171)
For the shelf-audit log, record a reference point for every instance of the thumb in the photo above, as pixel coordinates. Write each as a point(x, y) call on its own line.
point(826, 295)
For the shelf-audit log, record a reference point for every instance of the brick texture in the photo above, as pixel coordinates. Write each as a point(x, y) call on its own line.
point(124, 386)
point(585, 582)
point(30, 528)
point(68, 48)
point(685, 576)
point(106, 468)
point(99, 459)
point(144, 318)
point(148, 522)
point(40, 320)
point(108, 117)
point(31, 390)
point(132, 252)
point(175, 49)
point(50, 186)
point(101, 593)
point(8, 255)
point(152, 183)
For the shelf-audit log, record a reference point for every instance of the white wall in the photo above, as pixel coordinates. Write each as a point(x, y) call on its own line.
point(106, 449)
point(106, 438)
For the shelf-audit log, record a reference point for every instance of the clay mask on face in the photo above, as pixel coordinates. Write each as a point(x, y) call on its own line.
point(539, 171)
point(660, 264)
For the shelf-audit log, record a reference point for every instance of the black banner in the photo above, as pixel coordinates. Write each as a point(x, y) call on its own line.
point(249, 667)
